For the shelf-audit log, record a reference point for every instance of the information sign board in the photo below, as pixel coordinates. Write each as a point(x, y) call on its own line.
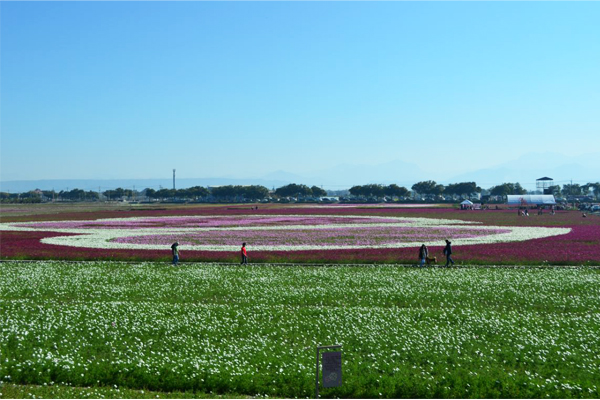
point(332, 369)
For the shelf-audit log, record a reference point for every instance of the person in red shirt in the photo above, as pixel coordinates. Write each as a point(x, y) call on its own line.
point(244, 254)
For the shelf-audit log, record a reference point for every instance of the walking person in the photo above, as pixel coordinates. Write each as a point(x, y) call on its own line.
point(423, 253)
point(175, 252)
point(244, 255)
point(448, 253)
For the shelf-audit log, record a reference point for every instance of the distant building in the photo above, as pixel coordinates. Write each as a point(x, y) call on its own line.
point(543, 185)
point(528, 200)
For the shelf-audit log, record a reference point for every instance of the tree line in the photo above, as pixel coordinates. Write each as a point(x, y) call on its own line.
point(298, 191)
point(423, 188)
point(432, 188)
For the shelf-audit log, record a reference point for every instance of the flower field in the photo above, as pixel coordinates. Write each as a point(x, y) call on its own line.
point(209, 328)
point(305, 234)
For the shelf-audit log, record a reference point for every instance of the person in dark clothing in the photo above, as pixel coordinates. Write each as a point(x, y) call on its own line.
point(448, 253)
point(175, 252)
point(244, 254)
point(423, 253)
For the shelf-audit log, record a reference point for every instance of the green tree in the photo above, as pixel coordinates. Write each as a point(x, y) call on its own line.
point(438, 189)
point(51, 194)
point(198, 192)
point(318, 192)
point(371, 190)
point(572, 189)
point(596, 189)
point(255, 192)
point(293, 190)
point(357, 191)
point(394, 190)
point(518, 189)
point(165, 194)
point(227, 192)
point(593, 187)
point(425, 187)
point(506, 189)
point(150, 193)
point(555, 190)
point(462, 188)
point(91, 195)
point(375, 190)
point(118, 193)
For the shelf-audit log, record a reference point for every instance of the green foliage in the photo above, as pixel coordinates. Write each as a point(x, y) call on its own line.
point(426, 187)
point(209, 328)
point(318, 192)
point(394, 190)
point(555, 190)
point(26, 198)
point(293, 190)
point(57, 391)
point(506, 189)
point(150, 193)
point(463, 188)
point(116, 194)
point(595, 187)
point(374, 190)
point(239, 193)
point(256, 192)
point(572, 189)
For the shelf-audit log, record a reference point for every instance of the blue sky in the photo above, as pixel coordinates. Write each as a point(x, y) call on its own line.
point(241, 89)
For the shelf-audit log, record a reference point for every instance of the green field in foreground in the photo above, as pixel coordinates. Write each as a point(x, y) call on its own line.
point(11, 391)
point(252, 331)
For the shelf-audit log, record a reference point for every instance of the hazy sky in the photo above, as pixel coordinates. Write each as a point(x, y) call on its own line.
point(135, 89)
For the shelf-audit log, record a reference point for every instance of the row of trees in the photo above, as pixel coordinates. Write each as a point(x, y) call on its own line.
point(36, 196)
point(430, 188)
point(28, 197)
point(433, 188)
point(294, 190)
point(230, 192)
point(195, 193)
point(506, 189)
point(236, 192)
point(257, 192)
point(575, 189)
point(392, 190)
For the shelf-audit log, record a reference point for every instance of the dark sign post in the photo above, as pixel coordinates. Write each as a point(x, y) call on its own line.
point(332, 368)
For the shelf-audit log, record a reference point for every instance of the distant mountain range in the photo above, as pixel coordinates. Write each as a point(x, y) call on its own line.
point(525, 170)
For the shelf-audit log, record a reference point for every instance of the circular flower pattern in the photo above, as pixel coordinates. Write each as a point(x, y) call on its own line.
point(277, 232)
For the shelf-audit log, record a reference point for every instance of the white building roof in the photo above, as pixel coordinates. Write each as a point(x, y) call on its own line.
point(530, 199)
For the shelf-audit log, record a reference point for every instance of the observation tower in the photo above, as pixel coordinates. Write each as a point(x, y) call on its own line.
point(543, 185)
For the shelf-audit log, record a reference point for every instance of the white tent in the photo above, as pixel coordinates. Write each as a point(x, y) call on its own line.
point(467, 203)
point(530, 199)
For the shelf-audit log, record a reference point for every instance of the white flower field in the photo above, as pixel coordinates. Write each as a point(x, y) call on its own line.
point(252, 331)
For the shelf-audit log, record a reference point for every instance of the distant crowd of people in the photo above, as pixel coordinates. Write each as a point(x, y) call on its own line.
point(524, 212)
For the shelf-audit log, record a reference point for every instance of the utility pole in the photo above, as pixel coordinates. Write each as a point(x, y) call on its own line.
point(173, 178)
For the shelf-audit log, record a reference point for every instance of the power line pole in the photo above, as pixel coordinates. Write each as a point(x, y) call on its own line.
point(173, 178)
